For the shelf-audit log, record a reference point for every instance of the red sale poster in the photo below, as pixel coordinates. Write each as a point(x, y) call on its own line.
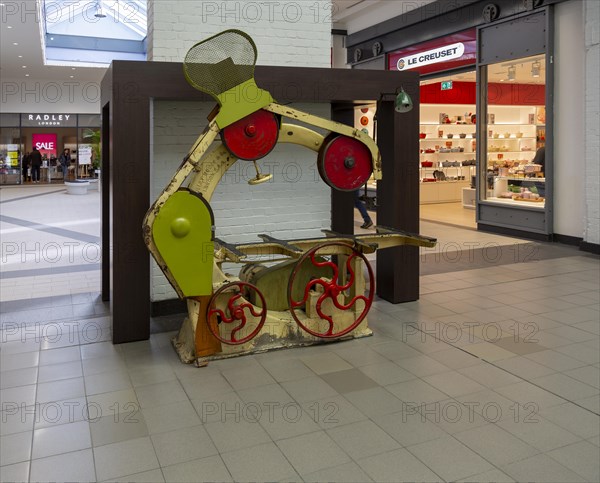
point(46, 143)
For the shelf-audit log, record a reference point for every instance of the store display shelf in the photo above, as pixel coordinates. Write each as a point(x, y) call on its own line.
point(511, 138)
point(521, 178)
point(446, 124)
point(522, 204)
point(511, 124)
point(455, 138)
point(491, 153)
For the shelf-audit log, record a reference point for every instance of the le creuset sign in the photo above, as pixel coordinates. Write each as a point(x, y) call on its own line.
point(437, 55)
point(441, 54)
point(48, 119)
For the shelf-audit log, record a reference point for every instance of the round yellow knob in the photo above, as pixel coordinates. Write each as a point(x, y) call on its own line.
point(180, 227)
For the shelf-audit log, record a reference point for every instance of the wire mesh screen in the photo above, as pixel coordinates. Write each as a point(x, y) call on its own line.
point(221, 62)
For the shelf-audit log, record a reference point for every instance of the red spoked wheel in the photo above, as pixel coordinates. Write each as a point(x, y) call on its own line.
point(331, 289)
point(236, 312)
point(344, 163)
point(252, 137)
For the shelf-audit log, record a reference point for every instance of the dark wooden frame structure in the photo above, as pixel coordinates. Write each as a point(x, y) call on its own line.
point(127, 92)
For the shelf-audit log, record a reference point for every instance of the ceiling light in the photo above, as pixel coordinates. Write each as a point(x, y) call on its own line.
point(71, 76)
point(72, 68)
point(512, 73)
point(51, 38)
point(24, 66)
point(99, 13)
point(535, 69)
point(20, 56)
point(8, 27)
point(15, 43)
point(26, 75)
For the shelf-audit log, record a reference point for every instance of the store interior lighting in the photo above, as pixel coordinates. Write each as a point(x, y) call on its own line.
point(512, 73)
point(535, 69)
point(99, 13)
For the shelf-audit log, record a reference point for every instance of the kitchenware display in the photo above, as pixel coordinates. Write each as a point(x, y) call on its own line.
point(429, 150)
point(446, 164)
point(426, 164)
point(429, 180)
point(455, 163)
point(439, 175)
point(532, 168)
point(519, 135)
point(422, 135)
point(440, 133)
point(462, 135)
point(496, 135)
point(506, 135)
point(448, 144)
point(450, 136)
point(500, 156)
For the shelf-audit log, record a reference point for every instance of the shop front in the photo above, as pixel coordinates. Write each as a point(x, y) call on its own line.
point(486, 91)
point(51, 134)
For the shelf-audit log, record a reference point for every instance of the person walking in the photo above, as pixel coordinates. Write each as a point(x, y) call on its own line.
point(25, 163)
point(36, 164)
point(360, 206)
point(65, 161)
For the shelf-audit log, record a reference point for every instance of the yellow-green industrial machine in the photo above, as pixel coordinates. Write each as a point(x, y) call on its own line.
point(288, 292)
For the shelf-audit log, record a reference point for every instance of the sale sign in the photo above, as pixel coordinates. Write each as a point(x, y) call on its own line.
point(45, 143)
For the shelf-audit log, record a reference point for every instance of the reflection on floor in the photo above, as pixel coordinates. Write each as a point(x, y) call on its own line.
point(451, 213)
point(493, 375)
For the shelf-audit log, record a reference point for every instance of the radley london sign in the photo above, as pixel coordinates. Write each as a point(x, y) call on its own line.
point(48, 119)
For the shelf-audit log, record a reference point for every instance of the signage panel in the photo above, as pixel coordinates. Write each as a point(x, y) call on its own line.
point(46, 143)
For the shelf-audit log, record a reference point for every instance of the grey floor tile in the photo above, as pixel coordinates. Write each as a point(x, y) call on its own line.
point(183, 445)
point(287, 420)
point(98, 365)
point(18, 472)
point(453, 383)
point(309, 389)
point(151, 375)
point(519, 346)
point(124, 458)
point(451, 415)
point(245, 378)
point(107, 382)
point(198, 385)
point(582, 458)
point(409, 427)
point(286, 370)
point(591, 403)
point(59, 356)
point(565, 386)
point(555, 360)
point(348, 380)
point(264, 462)
point(396, 350)
point(359, 356)
point(60, 390)
point(375, 402)
point(18, 396)
point(118, 427)
point(75, 466)
point(524, 392)
point(489, 375)
point(15, 448)
point(581, 422)
point(16, 419)
point(397, 466)
point(538, 432)
point(495, 476)
point(64, 438)
point(346, 473)
point(100, 350)
point(332, 412)
point(263, 396)
point(56, 372)
point(18, 377)
point(312, 452)
point(12, 362)
point(325, 362)
point(525, 368)
point(449, 458)
point(497, 446)
point(152, 476)
point(116, 402)
point(219, 408)
point(237, 431)
point(589, 375)
point(455, 358)
point(162, 393)
point(540, 468)
point(385, 373)
point(211, 468)
point(63, 412)
point(169, 417)
point(417, 391)
point(363, 439)
point(422, 366)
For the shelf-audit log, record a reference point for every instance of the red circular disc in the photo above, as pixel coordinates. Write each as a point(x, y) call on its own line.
point(345, 163)
point(331, 289)
point(236, 311)
point(252, 137)
point(364, 120)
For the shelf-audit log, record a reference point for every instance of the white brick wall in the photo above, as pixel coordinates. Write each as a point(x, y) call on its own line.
point(592, 122)
point(295, 203)
point(293, 33)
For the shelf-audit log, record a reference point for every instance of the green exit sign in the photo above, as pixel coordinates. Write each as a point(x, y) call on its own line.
point(447, 85)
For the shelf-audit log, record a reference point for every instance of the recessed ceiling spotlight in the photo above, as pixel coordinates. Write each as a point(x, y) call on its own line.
point(20, 56)
point(15, 43)
point(72, 68)
point(71, 76)
point(24, 66)
point(8, 26)
point(51, 38)
point(26, 75)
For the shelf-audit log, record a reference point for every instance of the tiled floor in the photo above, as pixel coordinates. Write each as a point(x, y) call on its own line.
point(493, 375)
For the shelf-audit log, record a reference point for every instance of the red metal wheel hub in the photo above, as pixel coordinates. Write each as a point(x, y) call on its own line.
point(252, 137)
point(331, 290)
point(236, 310)
point(344, 163)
